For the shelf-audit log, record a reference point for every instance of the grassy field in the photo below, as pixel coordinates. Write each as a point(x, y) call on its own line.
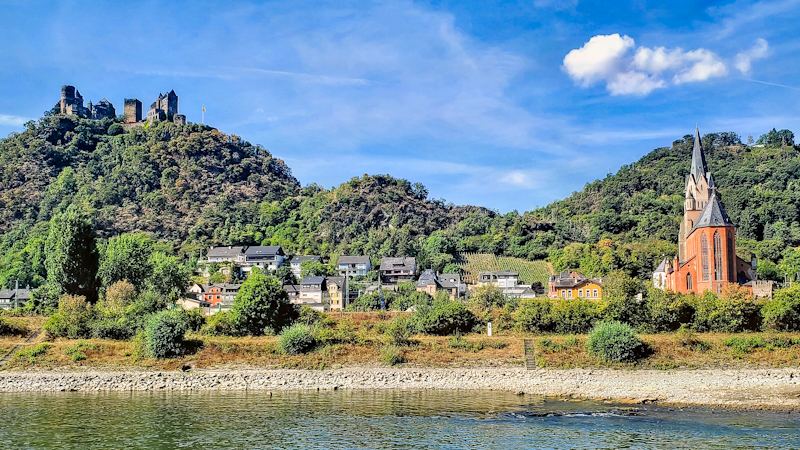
point(358, 339)
point(529, 271)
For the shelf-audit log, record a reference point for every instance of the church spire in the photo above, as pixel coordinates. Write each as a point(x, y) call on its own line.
point(699, 168)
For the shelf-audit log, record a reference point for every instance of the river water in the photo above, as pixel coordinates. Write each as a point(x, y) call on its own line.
point(371, 420)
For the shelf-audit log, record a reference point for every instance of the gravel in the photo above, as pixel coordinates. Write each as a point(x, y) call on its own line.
point(777, 389)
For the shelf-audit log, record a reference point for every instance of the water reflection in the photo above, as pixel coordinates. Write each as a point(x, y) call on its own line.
point(371, 419)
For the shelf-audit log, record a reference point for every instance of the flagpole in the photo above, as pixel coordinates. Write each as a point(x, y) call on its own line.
point(203, 117)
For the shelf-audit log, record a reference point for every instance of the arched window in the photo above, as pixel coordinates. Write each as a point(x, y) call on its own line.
point(704, 254)
point(731, 260)
point(718, 274)
point(688, 282)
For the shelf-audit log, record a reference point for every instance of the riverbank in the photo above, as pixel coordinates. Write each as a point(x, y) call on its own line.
point(751, 389)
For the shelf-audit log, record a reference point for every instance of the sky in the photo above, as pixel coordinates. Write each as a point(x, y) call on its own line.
point(507, 105)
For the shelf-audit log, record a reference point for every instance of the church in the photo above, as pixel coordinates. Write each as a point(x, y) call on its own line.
point(706, 259)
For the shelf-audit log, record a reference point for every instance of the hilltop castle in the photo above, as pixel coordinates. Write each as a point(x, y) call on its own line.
point(706, 259)
point(164, 108)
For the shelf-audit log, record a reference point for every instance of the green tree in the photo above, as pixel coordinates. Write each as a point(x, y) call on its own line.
point(72, 259)
point(169, 277)
point(285, 275)
point(126, 257)
point(315, 269)
point(261, 306)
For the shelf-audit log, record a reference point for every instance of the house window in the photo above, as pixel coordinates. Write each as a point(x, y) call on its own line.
point(570, 294)
point(704, 254)
point(563, 293)
point(594, 293)
point(688, 282)
point(717, 256)
point(580, 292)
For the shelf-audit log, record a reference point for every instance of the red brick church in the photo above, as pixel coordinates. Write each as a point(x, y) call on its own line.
point(706, 259)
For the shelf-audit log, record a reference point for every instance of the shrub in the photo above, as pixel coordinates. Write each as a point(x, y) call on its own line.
point(10, 327)
point(574, 316)
point(164, 334)
point(687, 338)
point(309, 316)
point(443, 317)
point(261, 306)
point(546, 345)
point(112, 328)
point(782, 312)
point(391, 355)
point(614, 342)
point(296, 339)
point(414, 299)
point(534, 315)
point(459, 342)
point(399, 330)
point(218, 324)
point(194, 319)
point(734, 312)
point(72, 319)
point(667, 310)
point(32, 352)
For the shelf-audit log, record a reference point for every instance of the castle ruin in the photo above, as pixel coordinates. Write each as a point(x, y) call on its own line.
point(164, 108)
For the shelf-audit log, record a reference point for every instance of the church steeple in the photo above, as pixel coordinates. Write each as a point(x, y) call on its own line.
point(699, 168)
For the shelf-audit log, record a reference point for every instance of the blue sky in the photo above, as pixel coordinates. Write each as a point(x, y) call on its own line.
point(507, 105)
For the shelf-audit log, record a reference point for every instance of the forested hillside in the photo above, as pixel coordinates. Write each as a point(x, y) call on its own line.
point(192, 186)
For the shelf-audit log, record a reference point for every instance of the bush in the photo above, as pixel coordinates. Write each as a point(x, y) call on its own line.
point(12, 327)
point(412, 300)
point(782, 312)
point(194, 319)
point(391, 355)
point(218, 324)
point(32, 352)
point(734, 312)
point(614, 342)
point(459, 342)
point(309, 316)
point(399, 330)
point(534, 315)
point(72, 320)
point(296, 339)
point(261, 306)
point(575, 315)
point(667, 311)
point(112, 328)
point(443, 317)
point(164, 334)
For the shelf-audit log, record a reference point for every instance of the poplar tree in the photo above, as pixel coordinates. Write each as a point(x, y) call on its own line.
point(71, 255)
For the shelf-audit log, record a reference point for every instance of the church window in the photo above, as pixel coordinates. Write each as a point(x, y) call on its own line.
point(718, 275)
point(688, 282)
point(704, 254)
point(731, 255)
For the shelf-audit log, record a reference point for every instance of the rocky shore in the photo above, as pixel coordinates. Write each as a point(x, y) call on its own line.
point(777, 389)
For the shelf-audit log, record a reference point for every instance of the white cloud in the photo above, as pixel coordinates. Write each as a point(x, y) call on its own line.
point(609, 59)
point(602, 58)
point(12, 121)
point(759, 50)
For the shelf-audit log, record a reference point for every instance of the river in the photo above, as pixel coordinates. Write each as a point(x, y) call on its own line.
point(360, 419)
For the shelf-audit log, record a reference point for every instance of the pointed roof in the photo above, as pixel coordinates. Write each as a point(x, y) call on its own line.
point(663, 266)
point(698, 158)
point(713, 214)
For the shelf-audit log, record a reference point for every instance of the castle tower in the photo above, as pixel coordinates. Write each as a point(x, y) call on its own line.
point(71, 102)
point(699, 183)
point(133, 110)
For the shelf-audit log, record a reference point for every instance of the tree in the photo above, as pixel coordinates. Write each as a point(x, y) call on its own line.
point(126, 257)
point(315, 269)
point(261, 306)
point(285, 275)
point(169, 277)
point(71, 259)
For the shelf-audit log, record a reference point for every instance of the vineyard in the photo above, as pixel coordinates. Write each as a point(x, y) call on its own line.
point(529, 271)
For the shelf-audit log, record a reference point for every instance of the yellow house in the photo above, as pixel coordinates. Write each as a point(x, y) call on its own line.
point(571, 284)
point(335, 292)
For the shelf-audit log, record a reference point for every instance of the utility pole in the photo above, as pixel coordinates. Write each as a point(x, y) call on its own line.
point(16, 294)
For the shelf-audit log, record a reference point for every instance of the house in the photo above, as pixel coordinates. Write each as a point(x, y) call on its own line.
point(266, 258)
point(337, 295)
point(14, 298)
point(706, 259)
point(294, 292)
point(314, 293)
point(571, 284)
point(351, 266)
point(432, 283)
point(501, 279)
point(297, 262)
point(224, 255)
point(222, 294)
point(395, 270)
point(189, 303)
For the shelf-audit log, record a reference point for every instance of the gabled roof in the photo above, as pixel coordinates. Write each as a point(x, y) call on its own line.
point(312, 280)
point(699, 168)
point(353, 260)
point(300, 259)
point(403, 262)
point(338, 281)
point(713, 215)
point(221, 252)
point(8, 294)
point(262, 250)
point(427, 278)
point(291, 288)
point(450, 280)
